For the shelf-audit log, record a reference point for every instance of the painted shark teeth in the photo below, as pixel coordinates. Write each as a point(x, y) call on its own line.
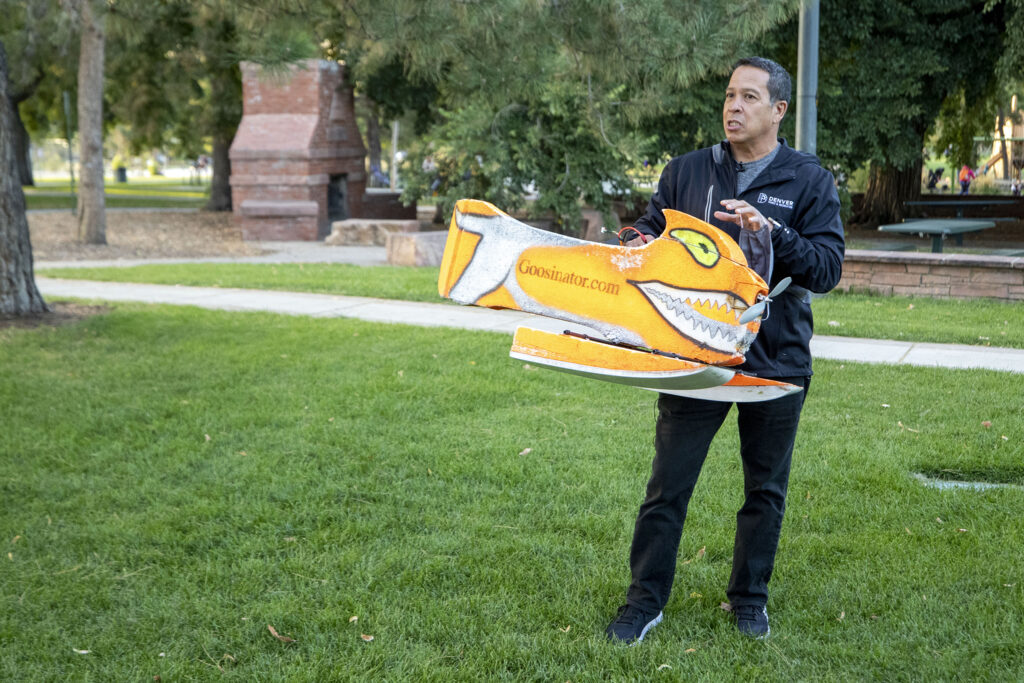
point(679, 308)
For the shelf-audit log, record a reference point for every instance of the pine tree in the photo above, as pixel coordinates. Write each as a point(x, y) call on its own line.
point(18, 293)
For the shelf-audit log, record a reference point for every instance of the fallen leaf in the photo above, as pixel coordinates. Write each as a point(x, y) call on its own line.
point(842, 615)
point(700, 553)
point(283, 639)
point(526, 451)
point(242, 453)
point(725, 606)
point(365, 637)
point(10, 556)
point(690, 650)
point(907, 529)
point(910, 307)
point(1005, 437)
point(808, 496)
point(874, 616)
point(987, 424)
point(566, 629)
point(207, 436)
point(15, 539)
point(695, 594)
point(401, 373)
point(939, 520)
point(80, 652)
point(289, 539)
point(352, 619)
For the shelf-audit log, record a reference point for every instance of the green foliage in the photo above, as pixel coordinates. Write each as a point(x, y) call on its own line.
point(176, 480)
point(563, 98)
point(42, 49)
point(887, 67)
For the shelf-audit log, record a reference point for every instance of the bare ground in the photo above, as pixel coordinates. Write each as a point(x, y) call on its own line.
point(139, 234)
point(130, 235)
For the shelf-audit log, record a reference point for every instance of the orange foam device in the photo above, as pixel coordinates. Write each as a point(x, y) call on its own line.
point(666, 315)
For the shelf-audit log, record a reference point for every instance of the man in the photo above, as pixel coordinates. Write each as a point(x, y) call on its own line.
point(770, 195)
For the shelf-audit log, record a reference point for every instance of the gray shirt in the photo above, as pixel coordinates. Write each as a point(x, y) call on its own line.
point(752, 169)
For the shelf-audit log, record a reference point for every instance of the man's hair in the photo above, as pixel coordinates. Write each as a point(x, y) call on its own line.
point(780, 85)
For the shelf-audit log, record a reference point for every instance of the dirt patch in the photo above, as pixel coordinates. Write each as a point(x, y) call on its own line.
point(139, 235)
point(61, 313)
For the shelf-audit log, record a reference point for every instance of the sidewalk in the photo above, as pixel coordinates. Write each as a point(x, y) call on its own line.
point(473, 318)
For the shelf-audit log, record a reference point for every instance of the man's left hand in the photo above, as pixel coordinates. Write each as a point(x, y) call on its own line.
point(743, 215)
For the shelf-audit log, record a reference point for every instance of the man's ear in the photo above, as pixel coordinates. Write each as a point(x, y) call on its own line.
point(780, 110)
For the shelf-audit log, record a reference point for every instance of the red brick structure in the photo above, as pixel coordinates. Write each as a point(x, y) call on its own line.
point(297, 160)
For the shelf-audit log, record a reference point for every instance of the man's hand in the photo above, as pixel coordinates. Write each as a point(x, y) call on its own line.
point(743, 215)
point(640, 240)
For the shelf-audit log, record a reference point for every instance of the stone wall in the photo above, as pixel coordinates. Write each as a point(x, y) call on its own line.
point(958, 276)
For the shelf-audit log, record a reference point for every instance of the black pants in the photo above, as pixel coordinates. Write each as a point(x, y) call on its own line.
point(683, 435)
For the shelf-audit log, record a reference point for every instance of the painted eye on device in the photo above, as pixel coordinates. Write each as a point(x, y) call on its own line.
point(700, 246)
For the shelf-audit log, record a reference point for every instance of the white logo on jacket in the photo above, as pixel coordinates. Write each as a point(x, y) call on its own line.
point(774, 201)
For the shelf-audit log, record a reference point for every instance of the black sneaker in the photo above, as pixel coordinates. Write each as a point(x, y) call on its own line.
point(632, 624)
point(752, 620)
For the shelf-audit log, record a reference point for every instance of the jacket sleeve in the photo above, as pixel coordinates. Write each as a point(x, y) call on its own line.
point(811, 249)
point(653, 221)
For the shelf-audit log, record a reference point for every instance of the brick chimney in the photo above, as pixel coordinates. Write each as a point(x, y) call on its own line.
point(297, 160)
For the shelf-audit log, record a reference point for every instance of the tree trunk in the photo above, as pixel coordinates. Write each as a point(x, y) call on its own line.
point(18, 293)
point(888, 189)
point(22, 147)
point(92, 217)
point(226, 94)
point(373, 139)
point(1002, 144)
point(220, 184)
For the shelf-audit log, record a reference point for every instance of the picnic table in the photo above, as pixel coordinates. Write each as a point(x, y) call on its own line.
point(940, 228)
point(960, 203)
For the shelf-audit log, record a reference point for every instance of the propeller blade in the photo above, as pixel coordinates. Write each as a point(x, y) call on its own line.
point(780, 287)
point(753, 312)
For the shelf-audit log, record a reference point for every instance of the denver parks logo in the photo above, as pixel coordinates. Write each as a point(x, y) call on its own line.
point(774, 201)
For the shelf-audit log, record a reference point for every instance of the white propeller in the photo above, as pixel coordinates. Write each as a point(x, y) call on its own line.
point(758, 308)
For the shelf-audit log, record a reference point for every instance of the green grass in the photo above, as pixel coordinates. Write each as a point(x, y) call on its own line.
point(386, 282)
point(137, 193)
point(174, 480)
point(978, 322)
point(40, 202)
point(984, 322)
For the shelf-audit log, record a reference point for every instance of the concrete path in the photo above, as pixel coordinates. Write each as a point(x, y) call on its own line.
point(468, 317)
point(275, 252)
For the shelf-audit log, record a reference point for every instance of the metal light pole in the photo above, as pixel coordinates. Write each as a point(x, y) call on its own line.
point(807, 78)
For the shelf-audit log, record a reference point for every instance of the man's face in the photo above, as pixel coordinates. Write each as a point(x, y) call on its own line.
point(749, 117)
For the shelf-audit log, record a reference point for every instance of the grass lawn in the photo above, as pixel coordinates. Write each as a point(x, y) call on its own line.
point(980, 322)
point(175, 480)
point(138, 193)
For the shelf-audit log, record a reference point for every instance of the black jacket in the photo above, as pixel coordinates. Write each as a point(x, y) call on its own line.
point(798, 193)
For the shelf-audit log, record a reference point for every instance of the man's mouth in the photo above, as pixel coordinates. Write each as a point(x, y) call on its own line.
point(681, 308)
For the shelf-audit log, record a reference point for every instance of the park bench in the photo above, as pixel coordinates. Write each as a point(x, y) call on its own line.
point(939, 228)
